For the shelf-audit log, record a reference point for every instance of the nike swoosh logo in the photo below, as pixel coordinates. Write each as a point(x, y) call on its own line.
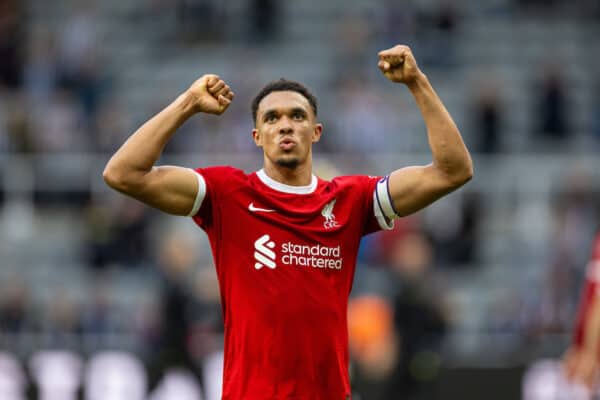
point(255, 209)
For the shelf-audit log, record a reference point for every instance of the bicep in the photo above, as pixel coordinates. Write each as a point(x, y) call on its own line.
point(413, 188)
point(171, 189)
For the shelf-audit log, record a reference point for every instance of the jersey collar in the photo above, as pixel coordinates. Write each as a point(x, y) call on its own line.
point(282, 187)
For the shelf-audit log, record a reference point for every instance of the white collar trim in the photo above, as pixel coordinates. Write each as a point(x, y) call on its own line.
point(282, 187)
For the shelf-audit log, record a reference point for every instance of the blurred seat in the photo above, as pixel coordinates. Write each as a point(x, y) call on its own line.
point(177, 385)
point(57, 374)
point(12, 378)
point(115, 375)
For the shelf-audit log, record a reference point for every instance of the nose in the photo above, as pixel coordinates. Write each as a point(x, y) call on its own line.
point(285, 126)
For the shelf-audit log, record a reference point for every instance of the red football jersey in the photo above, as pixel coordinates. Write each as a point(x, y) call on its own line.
point(285, 258)
point(590, 291)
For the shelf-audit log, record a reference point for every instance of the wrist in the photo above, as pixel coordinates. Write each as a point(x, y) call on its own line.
point(418, 83)
point(186, 104)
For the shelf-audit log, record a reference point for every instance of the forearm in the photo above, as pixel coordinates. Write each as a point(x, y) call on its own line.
point(591, 338)
point(449, 152)
point(142, 149)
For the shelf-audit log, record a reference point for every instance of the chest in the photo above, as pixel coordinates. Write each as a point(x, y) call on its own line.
point(316, 233)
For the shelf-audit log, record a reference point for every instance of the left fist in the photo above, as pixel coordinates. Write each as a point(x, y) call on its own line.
point(398, 64)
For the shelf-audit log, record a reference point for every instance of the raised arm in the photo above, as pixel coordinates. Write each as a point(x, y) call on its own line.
point(131, 169)
point(415, 187)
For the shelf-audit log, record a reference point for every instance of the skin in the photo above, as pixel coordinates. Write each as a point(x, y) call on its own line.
point(286, 129)
point(287, 117)
point(582, 364)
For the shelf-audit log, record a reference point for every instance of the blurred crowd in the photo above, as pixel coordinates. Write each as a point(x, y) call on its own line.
point(57, 98)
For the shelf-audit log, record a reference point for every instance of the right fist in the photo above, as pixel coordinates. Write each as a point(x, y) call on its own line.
point(210, 94)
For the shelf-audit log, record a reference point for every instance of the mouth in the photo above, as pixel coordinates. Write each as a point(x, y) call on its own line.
point(287, 144)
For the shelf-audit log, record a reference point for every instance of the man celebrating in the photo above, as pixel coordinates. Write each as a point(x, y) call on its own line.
point(284, 241)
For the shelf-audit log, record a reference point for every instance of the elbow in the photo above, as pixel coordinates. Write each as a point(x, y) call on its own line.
point(461, 176)
point(468, 173)
point(115, 178)
point(111, 177)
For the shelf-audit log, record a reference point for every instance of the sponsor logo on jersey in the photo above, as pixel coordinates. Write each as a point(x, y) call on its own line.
point(263, 252)
point(327, 213)
point(300, 255)
point(253, 208)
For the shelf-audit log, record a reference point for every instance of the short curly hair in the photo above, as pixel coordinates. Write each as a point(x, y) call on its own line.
point(282, 85)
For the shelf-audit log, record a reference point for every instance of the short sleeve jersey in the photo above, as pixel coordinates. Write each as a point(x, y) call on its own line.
point(285, 258)
point(591, 291)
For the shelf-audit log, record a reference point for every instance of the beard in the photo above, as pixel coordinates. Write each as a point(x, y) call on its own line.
point(289, 163)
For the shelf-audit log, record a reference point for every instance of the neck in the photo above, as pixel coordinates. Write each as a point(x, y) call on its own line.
point(300, 175)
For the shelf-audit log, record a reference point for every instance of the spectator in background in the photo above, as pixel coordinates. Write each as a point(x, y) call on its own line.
point(264, 16)
point(200, 20)
point(551, 106)
point(17, 123)
point(366, 122)
point(419, 315)
point(437, 24)
point(576, 216)
point(14, 307)
point(61, 325)
point(596, 112)
point(548, 7)
point(445, 23)
point(453, 228)
point(99, 221)
point(81, 59)
point(11, 43)
point(58, 125)
point(41, 72)
point(99, 312)
point(376, 250)
point(352, 35)
point(110, 124)
point(373, 346)
point(396, 344)
point(117, 234)
point(129, 237)
point(488, 117)
point(397, 20)
point(178, 258)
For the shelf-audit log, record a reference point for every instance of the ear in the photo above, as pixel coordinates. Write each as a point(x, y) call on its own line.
point(317, 133)
point(256, 137)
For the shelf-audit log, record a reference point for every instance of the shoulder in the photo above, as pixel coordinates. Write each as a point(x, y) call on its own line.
point(354, 181)
point(223, 173)
point(357, 186)
point(222, 178)
point(220, 170)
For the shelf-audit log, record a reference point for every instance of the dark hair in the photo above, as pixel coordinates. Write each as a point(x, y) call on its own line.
point(283, 85)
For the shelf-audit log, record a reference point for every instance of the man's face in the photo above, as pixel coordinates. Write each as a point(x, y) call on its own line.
point(286, 128)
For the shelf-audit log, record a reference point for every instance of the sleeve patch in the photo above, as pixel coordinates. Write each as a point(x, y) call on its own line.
point(382, 205)
point(200, 195)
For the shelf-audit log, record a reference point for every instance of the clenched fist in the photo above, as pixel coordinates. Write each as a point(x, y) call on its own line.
point(398, 64)
point(211, 94)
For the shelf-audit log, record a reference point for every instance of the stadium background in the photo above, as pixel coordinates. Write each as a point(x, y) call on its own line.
point(462, 300)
